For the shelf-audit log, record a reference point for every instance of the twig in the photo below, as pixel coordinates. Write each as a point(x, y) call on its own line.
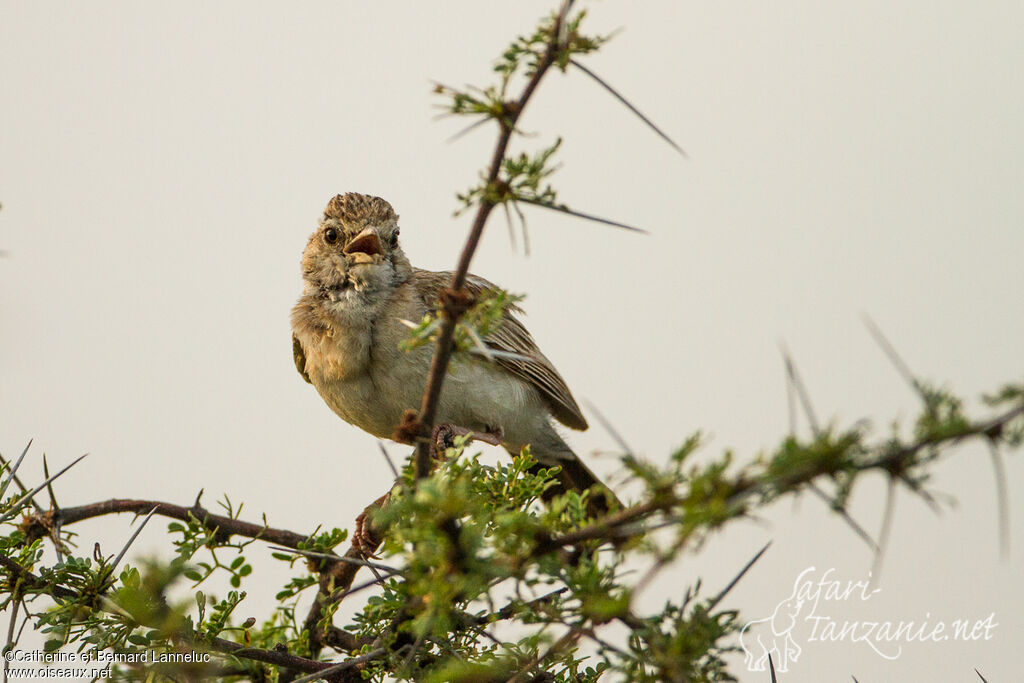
point(338, 668)
point(30, 580)
point(338, 558)
point(607, 527)
point(10, 634)
point(334, 582)
point(443, 348)
point(224, 526)
point(280, 659)
point(510, 609)
point(796, 385)
point(570, 637)
point(17, 506)
point(283, 660)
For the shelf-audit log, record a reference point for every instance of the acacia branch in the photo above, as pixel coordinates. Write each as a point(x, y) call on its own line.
point(894, 462)
point(450, 314)
point(285, 660)
point(336, 575)
point(281, 659)
point(335, 584)
point(224, 527)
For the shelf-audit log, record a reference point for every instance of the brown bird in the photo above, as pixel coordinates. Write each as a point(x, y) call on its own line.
point(359, 287)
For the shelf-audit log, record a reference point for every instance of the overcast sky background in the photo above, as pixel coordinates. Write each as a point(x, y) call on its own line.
point(161, 166)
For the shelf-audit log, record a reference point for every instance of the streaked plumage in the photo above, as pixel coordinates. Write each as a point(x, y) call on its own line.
point(347, 325)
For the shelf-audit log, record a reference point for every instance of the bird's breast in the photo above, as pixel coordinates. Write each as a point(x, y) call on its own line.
point(357, 368)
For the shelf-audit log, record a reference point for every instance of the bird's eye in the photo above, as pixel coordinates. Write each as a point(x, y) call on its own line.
point(330, 235)
point(394, 239)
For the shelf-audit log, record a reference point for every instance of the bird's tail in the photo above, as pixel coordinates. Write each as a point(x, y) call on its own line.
point(575, 476)
point(549, 450)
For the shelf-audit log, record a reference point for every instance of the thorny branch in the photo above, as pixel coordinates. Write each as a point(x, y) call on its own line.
point(443, 349)
point(337, 578)
point(223, 527)
point(337, 574)
point(274, 657)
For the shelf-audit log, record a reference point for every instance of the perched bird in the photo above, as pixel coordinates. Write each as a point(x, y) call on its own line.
point(359, 287)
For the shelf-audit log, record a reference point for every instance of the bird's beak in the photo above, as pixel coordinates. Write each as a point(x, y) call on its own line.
point(367, 242)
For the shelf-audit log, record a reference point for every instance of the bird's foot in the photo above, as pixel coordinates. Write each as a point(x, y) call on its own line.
point(364, 536)
point(444, 436)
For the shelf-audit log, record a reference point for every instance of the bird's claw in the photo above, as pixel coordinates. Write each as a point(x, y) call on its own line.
point(444, 436)
point(363, 537)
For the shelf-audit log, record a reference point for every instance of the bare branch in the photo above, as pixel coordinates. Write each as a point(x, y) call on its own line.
point(224, 526)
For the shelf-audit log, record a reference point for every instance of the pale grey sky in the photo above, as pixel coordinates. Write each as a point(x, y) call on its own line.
point(162, 166)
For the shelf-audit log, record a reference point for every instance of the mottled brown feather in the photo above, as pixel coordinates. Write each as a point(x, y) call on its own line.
point(299, 355)
point(359, 210)
point(512, 337)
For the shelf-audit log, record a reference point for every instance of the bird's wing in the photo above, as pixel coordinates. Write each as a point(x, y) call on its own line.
point(526, 361)
point(299, 354)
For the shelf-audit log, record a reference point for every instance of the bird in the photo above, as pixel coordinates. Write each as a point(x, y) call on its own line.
point(360, 291)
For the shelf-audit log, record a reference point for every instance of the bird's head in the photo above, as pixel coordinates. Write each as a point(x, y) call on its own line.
point(355, 248)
